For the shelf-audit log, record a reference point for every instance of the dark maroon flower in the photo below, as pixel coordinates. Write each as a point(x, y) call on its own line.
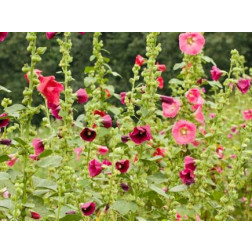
point(125, 187)
point(87, 208)
point(70, 212)
point(4, 121)
point(35, 215)
point(88, 134)
point(140, 134)
point(5, 142)
point(107, 121)
point(122, 165)
point(243, 85)
point(189, 163)
point(82, 96)
point(187, 176)
point(122, 97)
point(167, 99)
point(94, 167)
point(125, 139)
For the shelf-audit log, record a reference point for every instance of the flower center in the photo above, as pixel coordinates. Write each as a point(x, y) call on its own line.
point(140, 133)
point(89, 133)
point(190, 41)
point(183, 131)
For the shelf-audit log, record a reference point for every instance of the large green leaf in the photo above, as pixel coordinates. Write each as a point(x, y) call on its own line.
point(178, 188)
point(4, 176)
point(44, 183)
point(14, 110)
point(6, 203)
point(4, 158)
point(157, 178)
point(159, 191)
point(53, 161)
point(124, 206)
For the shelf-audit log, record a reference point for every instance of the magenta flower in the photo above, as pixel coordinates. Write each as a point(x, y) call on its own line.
point(216, 73)
point(6, 142)
point(139, 60)
point(3, 35)
point(4, 121)
point(125, 187)
point(243, 85)
point(125, 139)
point(82, 96)
point(199, 116)
point(39, 148)
point(184, 132)
point(87, 208)
point(82, 33)
point(103, 150)
point(212, 115)
point(247, 114)
point(194, 96)
point(166, 99)
point(35, 215)
point(106, 121)
point(50, 35)
point(187, 176)
point(220, 151)
point(106, 162)
point(122, 97)
point(78, 152)
point(189, 163)
point(94, 167)
point(140, 134)
point(122, 165)
point(191, 43)
point(11, 162)
point(160, 82)
point(170, 110)
point(88, 134)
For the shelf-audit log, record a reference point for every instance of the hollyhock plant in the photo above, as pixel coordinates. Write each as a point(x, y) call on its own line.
point(160, 67)
point(140, 134)
point(247, 114)
point(166, 99)
point(88, 134)
point(4, 121)
point(3, 36)
point(122, 97)
point(189, 163)
point(187, 176)
point(122, 165)
point(35, 215)
point(125, 139)
point(139, 60)
point(87, 208)
point(160, 82)
point(191, 43)
point(244, 85)
point(36, 71)
point(38, 147)
point(125, 187)
point(216, 73)
point(171, 110)
point(94, 167)
point(50, 35)
point(78, 152)
point(103, 150)
point(106, 121)
point(12, 161)
point(184, 132)
point(194, 96)
point(82, 96)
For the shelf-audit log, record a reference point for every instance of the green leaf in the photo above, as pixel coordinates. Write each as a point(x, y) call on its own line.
point(20, 141)
point(89, 80)
point(14, 110)
point(178, 188)
point(44, 183)
point(4, 158)
point(159, 191)
point(4, 176)
point(215, 84)
point(116, 74)
point(176, 81)
point(208, 60)
point(88, 69)
point(6, 203)
point(157, 178)
point(45, 153)
point(71, 217)
point(53, 161)
point(178, 66)
point(115, 110)
point(92, 57)
point(124, 206)
point(4, 89)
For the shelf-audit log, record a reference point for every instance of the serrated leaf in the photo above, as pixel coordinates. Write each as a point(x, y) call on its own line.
point(115, 110)
point(157, 178)
point(4, 176)
point(208, 60)
point(6, 203)
point(159, 191)
point(178, 188)
point(124, 206)
point(53, 161)
point(215, 84)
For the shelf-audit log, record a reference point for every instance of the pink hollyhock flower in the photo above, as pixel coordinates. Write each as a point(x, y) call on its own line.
point(243, 85)
point(243, 199)
point(39, 148)
point(161, 68)
point(243, 125)
point(196, 143)
point(165, 189)
point(234, 129)
point(187, 176)
point(212, 115)
point(159, 152)
point(87, 208)
point(35, 215)
point(233, 156)
point(125, 187)
point(194, 96)
point(70, 212)
point(160, 82)
point(106, 121)
point(122, 165)
point(6, 142)
point(247, 114)
point(171, 110)
point(50, 35)
point(55, 109)
point(82, 96)
point(125, 139)
point(184, 132)
point(178, 217)
point(106, 162)
point(11, 162)
point(191, 43)
point(197, 217)
point(6, 193)
point(94, 167)
point(216, 73)
point(100, 113)
point(78, 152)
point(199, 116)
point(103, 150)
point(202, 130)
point(139, 60)
point(88, 134)
point(140, 134)
point(3, 35)
point(36, 71)
point(189, 163)
point(219, 151)
point(122, 97)
point(230, 136)
point(4, 121)
point(166, 99)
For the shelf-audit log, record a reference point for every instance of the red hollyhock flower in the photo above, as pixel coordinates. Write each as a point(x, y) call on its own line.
point(122, 165)
point(87, 208)
point(216, 73)
point(99, 112)
point(106, 121)
point(50, 35)
point(139, 60)
point(161, 68)
point(159, 152)
point(187, 176)
point(82, 96)
point(4, 121)
point(6, 142)
point(160, 82)
point(189, 163)
point(140, 134)
point(3, 35)
point(88, 134)
point(35, 215)
point(94, 167)
point(122, 99)
point(50, 89)
point(219, 151)
point(106, 162)
point(11, 162)
point(108, 94)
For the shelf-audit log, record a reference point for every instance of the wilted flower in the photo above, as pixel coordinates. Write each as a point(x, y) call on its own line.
point(219, 151)
point(39, 148)
point(106, 121)
point(82, 96)
point(88, 134)
point(216, 73)
point(189, 163)
point(87, 208)
point(4, 121)
point(243, 85)
point(70, 212)
point(139, 60)
point(140, 134)
point(122, 165)
point(160, 67)
point(6, 193)
point(170, 110)
point(166, 99)
point(187, 176)
point(12, 161)
point(94, 167)
point(125, 187)
point(125, 139)
point(191, 42)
